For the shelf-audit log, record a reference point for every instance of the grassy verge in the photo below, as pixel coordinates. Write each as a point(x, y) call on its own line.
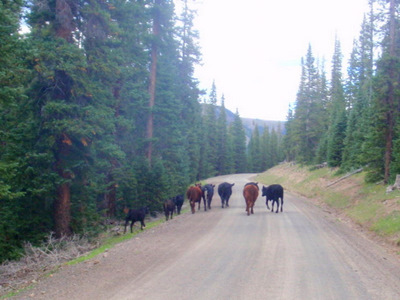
point(106, 242)
point(366, 204)
point(110, 242)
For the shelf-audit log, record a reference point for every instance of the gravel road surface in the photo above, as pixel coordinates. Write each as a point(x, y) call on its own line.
point(302, 253)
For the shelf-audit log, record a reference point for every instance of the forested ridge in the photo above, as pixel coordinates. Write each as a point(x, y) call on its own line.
point(100, 110)
point(351, 120)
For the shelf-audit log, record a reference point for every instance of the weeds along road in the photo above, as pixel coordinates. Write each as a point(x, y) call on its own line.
point(302, 253)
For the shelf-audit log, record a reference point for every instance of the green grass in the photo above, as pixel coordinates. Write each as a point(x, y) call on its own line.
point(365, 206)
point(388, 225)
point(337, 200)
point(106, 244)
point(112, 241)
point(364, 212)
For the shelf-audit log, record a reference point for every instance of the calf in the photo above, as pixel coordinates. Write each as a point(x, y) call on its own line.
point(194, 195)
point(273, 193)
point(179, 202)
point(250, 194)
point(225, 192)
point(208, 192)
point(169, 208)
point(136, 215)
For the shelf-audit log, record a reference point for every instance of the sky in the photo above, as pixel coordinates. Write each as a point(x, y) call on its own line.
point(252, 49)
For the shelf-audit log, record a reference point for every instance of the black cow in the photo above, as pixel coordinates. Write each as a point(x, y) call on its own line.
point(273, 193)
point(136, 215)
point(169, 208)
point(225, 192)
point(179, 202)
point(208, 192)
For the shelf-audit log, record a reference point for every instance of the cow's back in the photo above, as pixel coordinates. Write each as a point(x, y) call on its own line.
point(193, 193)
point(225, 189)
point(250, 192)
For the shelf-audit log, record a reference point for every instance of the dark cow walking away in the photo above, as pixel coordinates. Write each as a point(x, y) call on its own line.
point(208, 193)
point(179, 202)
point(169, 208)
point(250, 193)
point(194, 195)
point(273, 193)
point(136, 215)
point(225, 192)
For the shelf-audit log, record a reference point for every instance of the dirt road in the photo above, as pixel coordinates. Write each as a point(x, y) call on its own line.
point(302, 253)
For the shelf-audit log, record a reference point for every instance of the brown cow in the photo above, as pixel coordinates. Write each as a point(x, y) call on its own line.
point(194, 195)
point(250, 193)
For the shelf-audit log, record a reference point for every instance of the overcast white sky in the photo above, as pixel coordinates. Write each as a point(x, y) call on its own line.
point(253, 48)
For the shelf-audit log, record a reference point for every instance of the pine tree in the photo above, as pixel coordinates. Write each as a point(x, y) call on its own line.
point(222, 140)
point(338, 115)
point(307, 125)
point(288, 139)
point(16, 215)
point(157, 17)
point(386, 102)
point(238, 142)
point(254, 157)
point(359, 94)
point(64, 104)
point(209, 155)
point(188, 91)
point(265, 154)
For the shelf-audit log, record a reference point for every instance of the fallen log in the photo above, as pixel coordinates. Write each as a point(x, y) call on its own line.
point(345, 176)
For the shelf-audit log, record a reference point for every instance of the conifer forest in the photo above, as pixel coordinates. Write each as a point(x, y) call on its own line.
point(100, 110)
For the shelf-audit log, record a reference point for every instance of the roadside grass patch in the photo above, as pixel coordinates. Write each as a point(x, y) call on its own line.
point(364, 212)
point(337, 200)
point(388, 225)
point(367, 204)
point(38, 269)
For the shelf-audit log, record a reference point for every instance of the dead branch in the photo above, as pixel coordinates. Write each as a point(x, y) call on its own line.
point(346, 176)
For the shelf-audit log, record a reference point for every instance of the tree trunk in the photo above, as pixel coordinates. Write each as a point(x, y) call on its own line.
point(62, 207)
point(153, 76)
point(64, 26)
point(62, 204)
point(111, 201)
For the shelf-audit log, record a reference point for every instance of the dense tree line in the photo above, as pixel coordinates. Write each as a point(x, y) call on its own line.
point(100, 110)
point(352, 122)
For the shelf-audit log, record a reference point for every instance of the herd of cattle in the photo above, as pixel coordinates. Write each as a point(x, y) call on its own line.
point(197, 193)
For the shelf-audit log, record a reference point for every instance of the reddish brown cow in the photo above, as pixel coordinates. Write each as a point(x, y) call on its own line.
point(194, 195)
point(250, 193)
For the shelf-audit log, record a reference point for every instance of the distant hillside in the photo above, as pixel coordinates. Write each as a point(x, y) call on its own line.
point(249, 123)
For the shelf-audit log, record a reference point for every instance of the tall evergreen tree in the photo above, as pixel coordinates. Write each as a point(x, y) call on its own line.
point(64, 107)
point(338, 115)
point(209, 155)
point(16, 215)
point(188, 91)
point(254, 157)
point(307, 127)
point(222, 140)
point(386, 102)
point(289, 138)
point(359, 94)
point(157, 18)
point(238, 142)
